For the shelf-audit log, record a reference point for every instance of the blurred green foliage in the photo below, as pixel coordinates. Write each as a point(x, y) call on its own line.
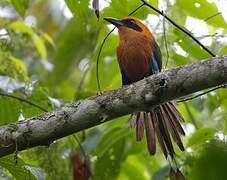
point(51, 48)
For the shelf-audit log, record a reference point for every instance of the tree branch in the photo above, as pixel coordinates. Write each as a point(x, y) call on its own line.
point(140, 96)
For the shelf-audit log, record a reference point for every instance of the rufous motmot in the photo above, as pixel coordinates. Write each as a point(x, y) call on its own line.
point(139, 56)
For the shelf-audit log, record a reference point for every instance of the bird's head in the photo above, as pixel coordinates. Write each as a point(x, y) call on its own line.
point(129, 26)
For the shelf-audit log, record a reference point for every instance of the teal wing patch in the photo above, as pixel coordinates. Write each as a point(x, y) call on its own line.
point(154, 66)
point(156, 61)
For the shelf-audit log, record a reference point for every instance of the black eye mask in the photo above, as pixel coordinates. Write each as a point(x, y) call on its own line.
point(130, 23)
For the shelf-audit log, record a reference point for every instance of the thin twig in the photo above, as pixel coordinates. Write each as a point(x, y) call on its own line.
point(131, 13)
point(179, 27)
point(201, 94)
point(81, 147)
point(205, 20)
point(97, 60)
point(212, 16)
point(165, 42)
point(101, 47)
point(24, 101)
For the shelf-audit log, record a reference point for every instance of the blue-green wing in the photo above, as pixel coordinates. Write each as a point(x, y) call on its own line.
point(156, 61)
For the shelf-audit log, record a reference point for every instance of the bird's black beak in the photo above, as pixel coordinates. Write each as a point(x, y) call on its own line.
point(115, 22)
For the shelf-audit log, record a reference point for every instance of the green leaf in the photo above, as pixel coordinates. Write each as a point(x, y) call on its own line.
point(189, 46)
point(92, 140)
point(121, 8)
point(37, 40)
point(20, 26)
point(109, 139)
point(204, 11)
point(38, 97)
point(9, 110)
point(200, 136)
point(78, 8)
point(20, 6)
point(14, 68)
point(135, 168)
point(108, 52)
point(223, 51)
point(131, 171)
point(48, 38)
point(211, 164)
point(110, 161)
point(37, 172)
point(161, 174)
point(18, 170)
point(180, 60)
point(76, 43)
point(40, 46)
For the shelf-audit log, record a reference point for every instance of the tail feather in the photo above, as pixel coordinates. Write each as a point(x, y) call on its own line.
point(139, 126)
point(162, 122)
point(172, 128)
point(175, 111)
point(176, 117)
point(165, 132)
point(159, 135)
point(150, 134)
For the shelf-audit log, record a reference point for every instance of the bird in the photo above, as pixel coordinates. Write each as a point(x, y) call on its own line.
point(139, 56)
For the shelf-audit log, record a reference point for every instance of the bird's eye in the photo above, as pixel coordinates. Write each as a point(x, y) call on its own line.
point(130, 21)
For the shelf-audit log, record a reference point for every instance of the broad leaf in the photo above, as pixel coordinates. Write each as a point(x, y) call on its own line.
point(20, 6)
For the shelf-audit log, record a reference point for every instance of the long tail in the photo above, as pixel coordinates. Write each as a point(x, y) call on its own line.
point(162, 122)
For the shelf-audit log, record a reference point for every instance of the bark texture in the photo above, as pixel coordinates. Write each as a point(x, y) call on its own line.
point(140, 96)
